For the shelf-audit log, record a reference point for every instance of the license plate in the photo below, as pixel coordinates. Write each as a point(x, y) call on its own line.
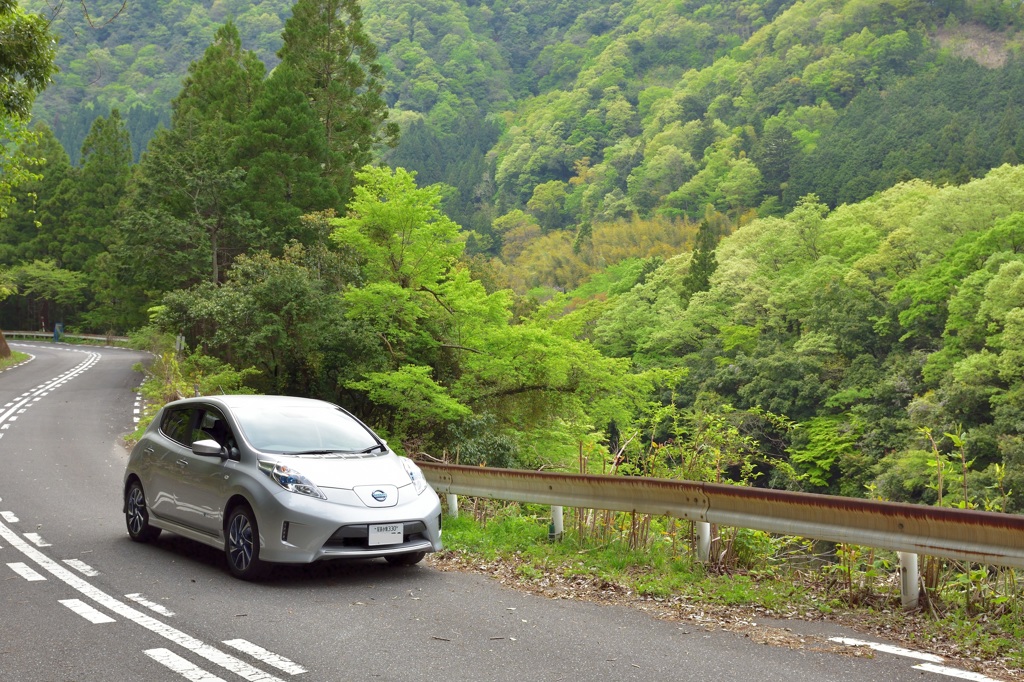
point(386, 534)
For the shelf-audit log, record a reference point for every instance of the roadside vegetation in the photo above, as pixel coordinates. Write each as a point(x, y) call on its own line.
point(12, 360)
point(969, 612)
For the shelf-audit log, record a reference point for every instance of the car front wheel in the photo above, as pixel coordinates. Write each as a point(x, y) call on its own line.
point(242, 545)
point(136, 516)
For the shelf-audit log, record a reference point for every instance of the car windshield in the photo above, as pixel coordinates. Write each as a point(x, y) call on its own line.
point(304, 430)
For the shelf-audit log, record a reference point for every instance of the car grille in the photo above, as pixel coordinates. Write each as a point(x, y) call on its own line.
point(356, 536)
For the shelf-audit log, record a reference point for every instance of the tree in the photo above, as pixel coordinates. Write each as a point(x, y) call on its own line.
point(33, 222)
point(703, 263)
point(102, 182)
point(335, 61)
point(185, 221)
point(27, 52)
point(283, 150)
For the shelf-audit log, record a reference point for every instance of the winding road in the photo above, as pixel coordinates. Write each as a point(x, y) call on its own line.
point(79, 601)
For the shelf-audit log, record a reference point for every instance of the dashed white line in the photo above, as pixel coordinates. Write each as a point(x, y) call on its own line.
point(92, 615)
point(37, 540)
point(196, 646)
point(82, 567)
point(25, 571)
point(151, 605)
point(9, 516)
point(179, 665)
point(270, 658)
point(953, 672)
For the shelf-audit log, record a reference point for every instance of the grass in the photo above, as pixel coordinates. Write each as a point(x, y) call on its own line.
point(766, 577)
point(15, 358)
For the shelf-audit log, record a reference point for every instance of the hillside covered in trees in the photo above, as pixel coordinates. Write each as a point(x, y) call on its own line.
point(770, 242)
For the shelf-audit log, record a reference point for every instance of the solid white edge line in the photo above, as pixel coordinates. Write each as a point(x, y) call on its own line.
point(889, 649)
point(953, 672)
point(179, 665)
point(268, 657)
point(92, 615)
point(196, 646)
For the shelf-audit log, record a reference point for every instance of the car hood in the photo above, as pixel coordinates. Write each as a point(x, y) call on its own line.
point(341, 471)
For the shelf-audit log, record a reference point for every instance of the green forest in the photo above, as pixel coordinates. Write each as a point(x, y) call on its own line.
point(770, 242)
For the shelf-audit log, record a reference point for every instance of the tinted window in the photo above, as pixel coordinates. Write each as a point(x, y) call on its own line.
point(212, 425)
point(177, 425)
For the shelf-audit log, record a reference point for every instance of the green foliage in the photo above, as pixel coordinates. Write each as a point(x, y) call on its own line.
point(414, 399)
point(335, 65)
point(26, 59)
point(27, 56)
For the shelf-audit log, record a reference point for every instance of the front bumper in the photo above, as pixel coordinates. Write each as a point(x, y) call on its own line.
point(300, 529)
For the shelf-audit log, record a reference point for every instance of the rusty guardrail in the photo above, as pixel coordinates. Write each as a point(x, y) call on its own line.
point(983, 537)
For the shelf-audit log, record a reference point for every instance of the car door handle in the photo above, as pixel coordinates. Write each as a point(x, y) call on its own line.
point(182, 463)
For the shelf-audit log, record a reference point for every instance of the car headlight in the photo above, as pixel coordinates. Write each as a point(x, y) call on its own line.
point(290, 479)
point(415, 475)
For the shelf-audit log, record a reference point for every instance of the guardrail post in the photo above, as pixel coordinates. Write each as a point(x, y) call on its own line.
point(909, 583)
point(703, 540)
point(453, 506)
point(557, 523)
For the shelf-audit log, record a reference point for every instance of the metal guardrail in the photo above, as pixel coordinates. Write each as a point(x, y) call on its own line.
point(49, 335)
point(983, 537)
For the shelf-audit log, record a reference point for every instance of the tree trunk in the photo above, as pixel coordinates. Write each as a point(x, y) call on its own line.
point(5, 350)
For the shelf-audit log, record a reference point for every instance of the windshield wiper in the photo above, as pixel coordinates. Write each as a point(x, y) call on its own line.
point(374, 447)
point(312, 452)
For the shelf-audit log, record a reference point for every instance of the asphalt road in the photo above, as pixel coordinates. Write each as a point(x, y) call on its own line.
point(80, 601)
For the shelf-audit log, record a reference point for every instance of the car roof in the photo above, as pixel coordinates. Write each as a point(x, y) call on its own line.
point(231, 401)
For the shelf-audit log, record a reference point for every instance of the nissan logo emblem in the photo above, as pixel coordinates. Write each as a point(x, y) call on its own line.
point(379, 495)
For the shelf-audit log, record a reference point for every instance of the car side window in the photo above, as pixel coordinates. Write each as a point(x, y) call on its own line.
point(214, 426)
point(177, 425)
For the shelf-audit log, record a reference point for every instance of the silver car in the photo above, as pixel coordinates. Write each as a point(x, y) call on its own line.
point(277, 479)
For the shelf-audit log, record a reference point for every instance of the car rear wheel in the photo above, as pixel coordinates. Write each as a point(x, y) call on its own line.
point(242, 545)
point(136, 516)
point(405, 559)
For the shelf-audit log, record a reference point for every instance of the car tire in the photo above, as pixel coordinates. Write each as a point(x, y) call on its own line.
point(242, 544)
point(408, 559)
point(136, 515)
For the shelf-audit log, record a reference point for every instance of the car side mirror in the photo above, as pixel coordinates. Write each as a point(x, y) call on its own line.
point(208, 447)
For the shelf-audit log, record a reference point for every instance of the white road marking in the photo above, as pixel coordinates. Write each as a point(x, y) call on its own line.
point(889, 649)
point(953, 672)
point(261, 654)
point(37, 540)
point(9, 517)
point(82, 567)
point(42, 389)
point(181, 666)
point(85, 611)
point(196, 646)
point(151, 605)
point(25, 571)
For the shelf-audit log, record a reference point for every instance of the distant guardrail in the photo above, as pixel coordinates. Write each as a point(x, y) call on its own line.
point(965, 534)
point(105, 338)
